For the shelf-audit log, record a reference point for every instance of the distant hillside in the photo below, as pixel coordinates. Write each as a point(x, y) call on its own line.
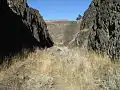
point(62, 31)
point(57, 21)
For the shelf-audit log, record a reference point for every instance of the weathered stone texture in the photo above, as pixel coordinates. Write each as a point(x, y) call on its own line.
point(103, 20)
point(21, 27)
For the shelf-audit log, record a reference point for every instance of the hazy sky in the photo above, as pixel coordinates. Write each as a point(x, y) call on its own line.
point(60, 9)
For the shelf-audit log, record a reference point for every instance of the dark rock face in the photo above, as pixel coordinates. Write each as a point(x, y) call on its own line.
point(79, 17)
point(21, 27)
point(103, 20)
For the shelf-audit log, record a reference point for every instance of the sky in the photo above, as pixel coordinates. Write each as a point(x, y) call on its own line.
point(60, 9)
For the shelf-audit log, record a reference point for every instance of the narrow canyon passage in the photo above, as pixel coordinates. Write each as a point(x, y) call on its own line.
point(59, 68)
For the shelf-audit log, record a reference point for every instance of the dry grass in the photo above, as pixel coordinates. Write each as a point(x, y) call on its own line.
point(60, 68)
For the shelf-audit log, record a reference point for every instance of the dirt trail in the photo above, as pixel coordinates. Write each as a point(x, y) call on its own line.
point(42, 70)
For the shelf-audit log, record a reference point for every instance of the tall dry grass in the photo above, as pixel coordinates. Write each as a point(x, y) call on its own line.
point(61, 68)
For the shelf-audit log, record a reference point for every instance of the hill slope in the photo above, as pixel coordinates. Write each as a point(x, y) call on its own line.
point(62, 31)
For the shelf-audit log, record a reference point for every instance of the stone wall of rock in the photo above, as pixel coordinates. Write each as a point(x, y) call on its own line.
point(21, 27)
point(103, 20)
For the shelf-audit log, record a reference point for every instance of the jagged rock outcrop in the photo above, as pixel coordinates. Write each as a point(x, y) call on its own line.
point(79, 17)
point(21, 27)
point(103, 20)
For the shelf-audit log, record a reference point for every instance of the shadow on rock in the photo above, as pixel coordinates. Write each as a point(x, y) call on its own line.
point(21, 28)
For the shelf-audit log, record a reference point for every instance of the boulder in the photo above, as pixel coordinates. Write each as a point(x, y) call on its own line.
point(22, 27)
point(102, 18)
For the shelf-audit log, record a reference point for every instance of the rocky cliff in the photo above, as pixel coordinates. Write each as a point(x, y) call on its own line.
point(102, 18)
point(21, 27)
